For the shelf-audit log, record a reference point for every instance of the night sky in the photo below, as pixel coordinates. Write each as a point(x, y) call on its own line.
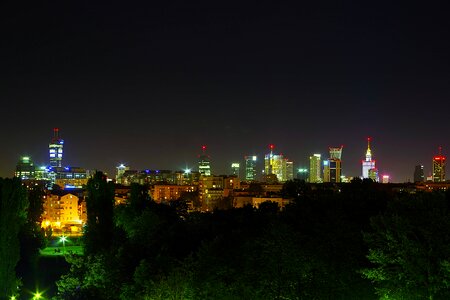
point(148, 85)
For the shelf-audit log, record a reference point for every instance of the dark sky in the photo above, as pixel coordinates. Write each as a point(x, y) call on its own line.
point(149, 84)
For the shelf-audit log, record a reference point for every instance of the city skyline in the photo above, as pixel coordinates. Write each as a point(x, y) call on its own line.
point(148, 84)
point(204, 155)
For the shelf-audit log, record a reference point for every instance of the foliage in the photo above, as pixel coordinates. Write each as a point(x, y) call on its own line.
point(410, 248)
point(13, 206)
point(99, 205)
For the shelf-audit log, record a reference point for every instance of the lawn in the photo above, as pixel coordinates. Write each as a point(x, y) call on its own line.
point(60, 250)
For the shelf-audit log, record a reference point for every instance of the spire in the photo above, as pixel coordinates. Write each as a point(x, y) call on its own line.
point(368, 152)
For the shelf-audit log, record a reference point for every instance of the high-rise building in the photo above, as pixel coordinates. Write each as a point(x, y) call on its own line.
point(121, 169)
point(419, 174)
point(204, 164)
point(369, 164)
point(289, 170)
point(276, 164)
point(250, 167)
point(438, 166)
point(302, 174)
point(235, 169)
point(314, 168)
point(56, 149)
point(25, 168)
point(332, 167)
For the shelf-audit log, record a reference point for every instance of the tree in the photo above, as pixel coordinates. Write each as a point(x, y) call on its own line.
point(410, 248)
point(99, 205)
point(13, 205)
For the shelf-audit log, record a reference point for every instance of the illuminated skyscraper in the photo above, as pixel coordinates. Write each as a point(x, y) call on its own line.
point(439, 167)
point(56, 149)
point(289, 170)
point(121, 169)
point(250, 167)
point(277, 165)
point(369, 164)
point(332, 167)
point(204, 164)
point(25, 168)
point(418, 174)
point(235, 169)
point(314, 168)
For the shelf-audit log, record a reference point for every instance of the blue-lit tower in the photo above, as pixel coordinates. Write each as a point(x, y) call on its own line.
point(56, 149)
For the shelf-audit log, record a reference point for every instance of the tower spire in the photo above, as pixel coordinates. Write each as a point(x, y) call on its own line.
point(368, 152)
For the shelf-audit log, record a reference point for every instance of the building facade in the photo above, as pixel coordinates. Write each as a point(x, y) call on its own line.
point(438, 166)
point(250, 167)
point(314, 168)
point(368, 165)
point(56, 149)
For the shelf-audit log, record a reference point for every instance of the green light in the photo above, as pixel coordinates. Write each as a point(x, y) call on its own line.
point(12, 298)
point(63, 239)
point(37, 296)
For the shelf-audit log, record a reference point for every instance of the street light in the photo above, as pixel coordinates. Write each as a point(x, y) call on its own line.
point(37, 296)
point(63, 239)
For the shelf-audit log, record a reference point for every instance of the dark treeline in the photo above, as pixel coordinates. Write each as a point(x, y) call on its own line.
point(354, 241)
point(20, 234)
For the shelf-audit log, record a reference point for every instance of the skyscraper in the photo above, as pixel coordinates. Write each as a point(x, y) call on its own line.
point(250, 167)
point(332, 166)
point(25, 168)
point(204, 164)
point(235, 169)
point(56, 149)
point(314, 168)
point(121, 169)
point(439, 167)
point(418, 174)
point(277, 165)
point(368, 166)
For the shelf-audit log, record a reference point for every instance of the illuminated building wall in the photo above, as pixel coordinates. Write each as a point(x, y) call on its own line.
point(25, 168)
point(61, 211)
point(289, 170)
point(438, 166)
point(250, 167)
point(235, 169)
point(332, 168)
point(165, 193)
point(121, 169)
point(276, 164)
point(204, 164)
point(56, 149)
point(314, 168)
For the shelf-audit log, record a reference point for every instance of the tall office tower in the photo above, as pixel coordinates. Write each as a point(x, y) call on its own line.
point(235, 169)
point(302, 174)
point(204, 164)
point(369, 164)
point(276, 164)
point(289, 170)
point(418, 174)
point(25, 168)
point(332, 167)
point(250, 167)
point(314, 168)
point(439, 167)
point(121, 169)
point(56, 149)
